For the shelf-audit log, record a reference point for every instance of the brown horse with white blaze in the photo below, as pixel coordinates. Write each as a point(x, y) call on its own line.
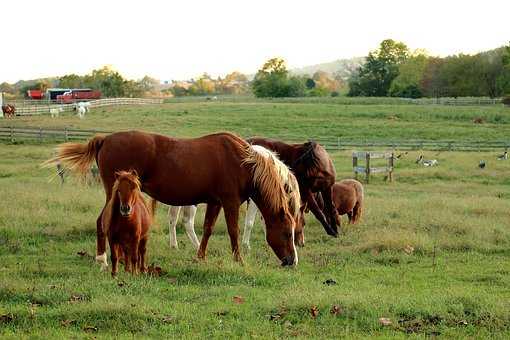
point(218, 169)
point(314, 171)
point(126, 220)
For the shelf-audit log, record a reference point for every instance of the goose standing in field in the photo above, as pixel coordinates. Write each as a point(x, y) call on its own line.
point(419, 160)
point(430, 162)
point(482, 164)
point(503, 157)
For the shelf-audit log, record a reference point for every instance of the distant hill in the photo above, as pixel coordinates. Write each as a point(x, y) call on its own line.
point(341, 67)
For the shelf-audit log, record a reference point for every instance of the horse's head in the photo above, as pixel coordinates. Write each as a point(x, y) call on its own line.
point(280, 236)
point(127, 189)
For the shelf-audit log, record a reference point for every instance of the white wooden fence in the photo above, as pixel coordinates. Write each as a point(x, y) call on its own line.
point(35, 107)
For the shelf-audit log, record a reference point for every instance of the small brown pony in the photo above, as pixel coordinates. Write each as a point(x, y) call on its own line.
point(8, 110)
point(221, 170)
point(126, 221)
point(348, 197)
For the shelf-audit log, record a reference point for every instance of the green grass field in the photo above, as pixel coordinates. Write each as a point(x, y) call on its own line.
point(454, 283)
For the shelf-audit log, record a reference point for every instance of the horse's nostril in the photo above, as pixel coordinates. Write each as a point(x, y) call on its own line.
point(288, 261)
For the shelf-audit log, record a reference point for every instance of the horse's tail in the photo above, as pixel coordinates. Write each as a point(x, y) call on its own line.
point(77, 156)
point(357, 211)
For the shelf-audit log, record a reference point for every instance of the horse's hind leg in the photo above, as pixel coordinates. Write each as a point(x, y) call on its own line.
point(188, 216)
point(142, 250)
point(211, 214)
point(231, 217)
point(101, 243)
point(249, 222)
point(173, 217)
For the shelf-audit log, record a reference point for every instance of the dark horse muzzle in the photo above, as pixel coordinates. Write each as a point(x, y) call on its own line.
point(288, 261)
point(125, 209)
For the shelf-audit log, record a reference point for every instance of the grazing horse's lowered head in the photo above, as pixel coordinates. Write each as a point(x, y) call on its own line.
point(277, 186)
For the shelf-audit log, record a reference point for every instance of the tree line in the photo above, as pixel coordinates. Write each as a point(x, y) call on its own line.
point(394, 70)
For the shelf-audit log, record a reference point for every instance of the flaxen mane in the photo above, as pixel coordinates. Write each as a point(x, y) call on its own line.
point(277, 185)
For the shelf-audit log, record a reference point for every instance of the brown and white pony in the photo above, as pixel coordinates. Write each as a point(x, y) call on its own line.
point(221, 170)
point(8, 110)
point(126, 220)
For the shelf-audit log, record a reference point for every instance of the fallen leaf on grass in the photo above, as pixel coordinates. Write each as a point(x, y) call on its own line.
point(222, 313)
point(314, 311)
point(67, 322)
point(463, 323)
point(287, 324)
point(121, 284)
point(90, 329)
point(168, 319)
point(336, 310)
point(82, 253)
point(329, 282)
point(6, 318)
point(76, 298)
point(278, 315)
point(154, 270)
point(408, 249)
point(238, 300)
point(385, 321)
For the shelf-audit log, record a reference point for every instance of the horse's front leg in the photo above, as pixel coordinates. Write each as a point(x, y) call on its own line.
point(249, 222)
point(188, 218)
point(173, 217)
point(101, 243)
point(211, 215)
point(231, 217)
point(318, 213)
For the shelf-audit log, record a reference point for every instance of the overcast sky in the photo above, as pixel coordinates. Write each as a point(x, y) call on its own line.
point(182, 39)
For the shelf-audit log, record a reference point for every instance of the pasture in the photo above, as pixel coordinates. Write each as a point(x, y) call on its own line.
point(431, 252)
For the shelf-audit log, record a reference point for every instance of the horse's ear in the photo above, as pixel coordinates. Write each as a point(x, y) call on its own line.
point(117, 174)
point(134, 172)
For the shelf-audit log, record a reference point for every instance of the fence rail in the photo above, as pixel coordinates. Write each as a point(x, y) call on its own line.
point(37, 134)
point(35, 107)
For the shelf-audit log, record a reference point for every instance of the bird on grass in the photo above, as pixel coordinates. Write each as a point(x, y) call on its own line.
point(503, 157)
point(419, 160)
point(430, 162)
point(482, 164)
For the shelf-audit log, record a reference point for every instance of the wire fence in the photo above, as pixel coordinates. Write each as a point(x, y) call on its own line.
point(37, 134)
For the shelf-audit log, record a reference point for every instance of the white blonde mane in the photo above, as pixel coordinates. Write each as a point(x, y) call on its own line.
point(290, 184)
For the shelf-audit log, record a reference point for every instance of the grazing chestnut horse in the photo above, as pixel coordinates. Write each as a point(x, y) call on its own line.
point(221, 170)
point(291, 188)
point(314, 171)
point(126, 220)
point(8, 110)
point(348, 197)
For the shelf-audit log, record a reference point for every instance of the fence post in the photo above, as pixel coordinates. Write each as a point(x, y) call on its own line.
point(367, 169)
point(391, 162)
point(355, 164)
point(12, 134)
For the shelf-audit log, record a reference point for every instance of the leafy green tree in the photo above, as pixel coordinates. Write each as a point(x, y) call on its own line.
point(381, 67)
point(148, 84)
point(70, 81)
point(410, 73)
point(109, 82)
point(310, 83)
point(272, 79)
point(7, 88)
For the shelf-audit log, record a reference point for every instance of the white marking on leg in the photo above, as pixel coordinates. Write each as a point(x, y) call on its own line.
point(249, 222)
point(294, 247)
point(173, 217)
point(188, 215)
point(102, 259)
